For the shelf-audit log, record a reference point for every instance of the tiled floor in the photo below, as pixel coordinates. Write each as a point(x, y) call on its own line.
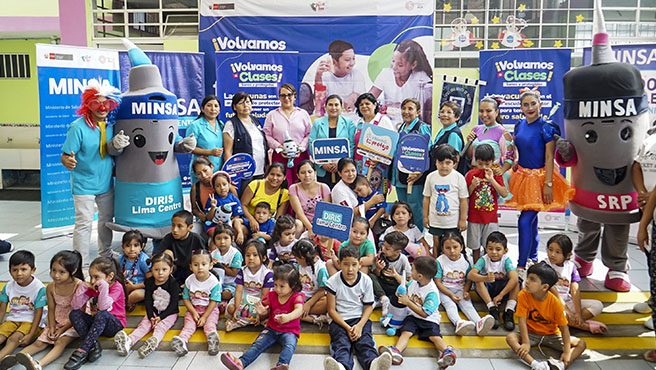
point(20, 224)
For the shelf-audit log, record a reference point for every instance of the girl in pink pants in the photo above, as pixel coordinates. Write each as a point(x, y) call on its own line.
point(161, 302)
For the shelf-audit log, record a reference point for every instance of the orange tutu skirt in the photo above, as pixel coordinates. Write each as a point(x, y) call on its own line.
point(526, 188)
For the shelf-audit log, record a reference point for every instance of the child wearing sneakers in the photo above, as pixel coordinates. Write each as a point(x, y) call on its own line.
point(496, 279)
point(422, 298)
point(350, 303)
point(451, 280)
point(542, 322)
point(201, 295)
point(161, 301)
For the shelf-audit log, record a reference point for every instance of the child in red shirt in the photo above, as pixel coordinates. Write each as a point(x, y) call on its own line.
point(284, 306)
point(484, 185)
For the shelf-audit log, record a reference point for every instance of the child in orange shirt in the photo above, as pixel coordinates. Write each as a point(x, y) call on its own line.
point(542, 321)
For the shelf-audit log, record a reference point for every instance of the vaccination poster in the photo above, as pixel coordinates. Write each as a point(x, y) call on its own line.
point(344, 47)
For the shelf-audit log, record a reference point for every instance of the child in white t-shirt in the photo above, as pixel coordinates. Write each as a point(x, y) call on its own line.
point(451, 280)
point(445, 197)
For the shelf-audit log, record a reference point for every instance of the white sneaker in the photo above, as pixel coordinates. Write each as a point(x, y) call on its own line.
point(642, 307)
point(330, 363)
point(484, 325)
point(149, 346)
point(123, 343)
point(649, 324)
point(382, 362)
point(463, 327)
point(213, 343)
point(384, 304)
point(540, 365)
point(179, 346)
point(556, 364)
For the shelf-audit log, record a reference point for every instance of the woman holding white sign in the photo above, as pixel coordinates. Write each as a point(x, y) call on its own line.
point(331, 126)
point(368, 109)
point(403, 183)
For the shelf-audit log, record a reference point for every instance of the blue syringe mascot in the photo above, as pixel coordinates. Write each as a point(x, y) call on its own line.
point(148, 188)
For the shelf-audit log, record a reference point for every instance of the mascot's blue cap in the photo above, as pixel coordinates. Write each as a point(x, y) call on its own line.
point(136, 55)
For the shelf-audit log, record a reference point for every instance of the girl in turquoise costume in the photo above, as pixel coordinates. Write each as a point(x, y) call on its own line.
point(208, 131)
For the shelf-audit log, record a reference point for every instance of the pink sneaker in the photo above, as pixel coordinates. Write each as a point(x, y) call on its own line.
point(585, 268)
point(618, 281)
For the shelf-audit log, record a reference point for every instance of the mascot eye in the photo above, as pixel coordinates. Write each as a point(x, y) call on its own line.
point(139, 141)
point(626, 133)
point(171, 138)
point(591, 136)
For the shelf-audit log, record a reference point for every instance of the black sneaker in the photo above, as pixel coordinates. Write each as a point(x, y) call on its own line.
point(95, 352)
point(78, 358)
point(509, 320)
point(494, 312)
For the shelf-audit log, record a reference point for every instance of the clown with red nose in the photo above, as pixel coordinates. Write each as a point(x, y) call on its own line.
point(87, 153)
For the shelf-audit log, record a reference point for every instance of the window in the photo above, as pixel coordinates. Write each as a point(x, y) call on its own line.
point(14, 66)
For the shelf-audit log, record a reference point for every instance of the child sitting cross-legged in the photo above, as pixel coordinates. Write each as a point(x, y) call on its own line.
point(496, 279)
point(542, 322)
point(422, 298)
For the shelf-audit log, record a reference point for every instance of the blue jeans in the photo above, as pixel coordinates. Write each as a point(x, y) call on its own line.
point(266, 339)
point(416, 201)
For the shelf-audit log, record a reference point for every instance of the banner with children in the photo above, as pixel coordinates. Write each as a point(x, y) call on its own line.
point(505, 73)
point(183, 75)
point(63, 72)
point(260, 74)
point(345, 48)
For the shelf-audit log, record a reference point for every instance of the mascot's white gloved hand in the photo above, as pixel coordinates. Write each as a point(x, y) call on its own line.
point(186, 145)
point(564, 148)
point(120, 141)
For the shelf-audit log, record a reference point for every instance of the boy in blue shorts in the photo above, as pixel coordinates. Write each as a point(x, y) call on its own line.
point(350, 303)
point(422, 298)
point(497, 280)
